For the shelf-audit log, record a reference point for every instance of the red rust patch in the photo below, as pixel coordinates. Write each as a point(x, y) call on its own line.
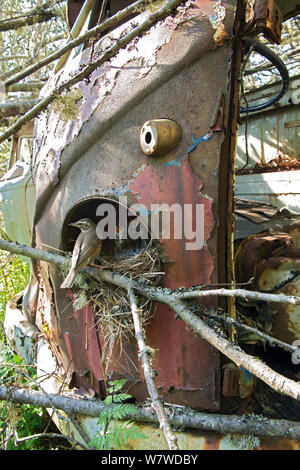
point(193, 365)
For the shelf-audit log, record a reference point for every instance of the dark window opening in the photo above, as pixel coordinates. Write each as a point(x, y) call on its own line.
point(120, 247)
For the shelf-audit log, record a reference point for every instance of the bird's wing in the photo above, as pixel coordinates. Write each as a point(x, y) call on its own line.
point(77, 250)
point(89, 249)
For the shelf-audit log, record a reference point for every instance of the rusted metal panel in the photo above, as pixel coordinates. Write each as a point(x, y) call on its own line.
point(230, 385)
point(73, 9)
point(99, 155)
point(272, 259)
point(172, 184)
point(266, 18)
point(253, 217)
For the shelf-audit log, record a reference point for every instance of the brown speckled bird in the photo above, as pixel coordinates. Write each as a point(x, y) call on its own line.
point(86, 249)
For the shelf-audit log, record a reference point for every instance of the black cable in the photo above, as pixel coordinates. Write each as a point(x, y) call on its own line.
point(280, 66)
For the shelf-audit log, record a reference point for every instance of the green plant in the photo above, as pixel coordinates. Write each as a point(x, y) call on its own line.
point(239, 442)
point(14, 276)
point(25, 420)
point(15, 419)
point(4, 154)
point(113, 433)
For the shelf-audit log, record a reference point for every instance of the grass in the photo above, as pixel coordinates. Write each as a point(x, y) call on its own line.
point(14, 276)
point(25, 420)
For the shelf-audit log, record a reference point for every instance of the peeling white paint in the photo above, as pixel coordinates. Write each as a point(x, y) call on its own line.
point(217, 22)
point(56, 133)
point(219, 14)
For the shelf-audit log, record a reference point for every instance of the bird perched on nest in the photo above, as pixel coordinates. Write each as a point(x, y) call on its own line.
point(86, 249)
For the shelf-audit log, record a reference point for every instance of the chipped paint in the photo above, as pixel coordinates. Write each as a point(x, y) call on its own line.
point(247, 382)
point(125, 188)
point(119, 191)
point(101, 158)
point(272, 259)
point(177, 162)
point(217, 23)
point(196, 142)
point(180, 185)
point(141, 52)
point(21, 333)
point(52, 165)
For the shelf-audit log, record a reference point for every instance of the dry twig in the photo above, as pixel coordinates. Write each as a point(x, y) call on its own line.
point(223, 424)
point(149, 374)
point(88, 69)
point(174, 300)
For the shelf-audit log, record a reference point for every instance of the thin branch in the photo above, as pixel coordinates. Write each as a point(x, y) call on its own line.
point(276, 381)
point(53, 435)
point(149, 374)
point(35, 10)
point(229, 320)
point(92, 33)
point(88, 69)
point(29, 20)
point(4, 77)
point(79, 428)
point(223, 424)
point(16, 107)
point(27, 87)
point(30, 252)
point(195, 292)
point(70, 415)
point(15, 57)
point(243, 293)
point(261, 370)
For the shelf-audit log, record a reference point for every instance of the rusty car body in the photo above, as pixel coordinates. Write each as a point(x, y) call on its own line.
point(183, 70)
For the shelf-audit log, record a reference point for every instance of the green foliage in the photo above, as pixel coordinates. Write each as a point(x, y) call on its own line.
point(18, 49)
point(66, 105)
point(28, 44)
point(4, 154)
point(25, 419)
point(114, 434)
point(246, 442)
point(14, 276)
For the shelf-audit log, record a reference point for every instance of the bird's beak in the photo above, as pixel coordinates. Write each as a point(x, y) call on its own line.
point(73, 224)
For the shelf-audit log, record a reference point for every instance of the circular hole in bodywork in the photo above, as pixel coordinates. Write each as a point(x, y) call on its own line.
point(119, 247)
point(148, 137)
point(158, 137)
point(136, 258)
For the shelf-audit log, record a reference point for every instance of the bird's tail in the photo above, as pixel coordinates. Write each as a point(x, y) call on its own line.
point(68, 282)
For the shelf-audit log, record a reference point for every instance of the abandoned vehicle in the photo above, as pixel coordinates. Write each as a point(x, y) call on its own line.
point(159, 124)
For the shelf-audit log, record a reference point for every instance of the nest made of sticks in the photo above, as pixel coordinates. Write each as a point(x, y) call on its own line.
point(110, 303)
